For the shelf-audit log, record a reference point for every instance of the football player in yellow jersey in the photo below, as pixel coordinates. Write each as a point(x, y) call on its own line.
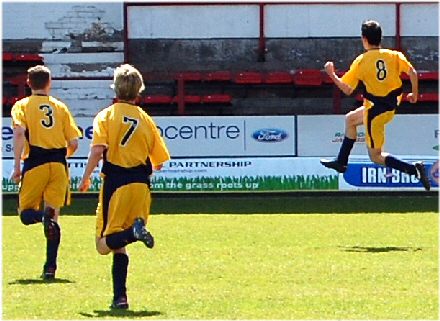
point(379, 70)
point(128, 141)
point(45, 134)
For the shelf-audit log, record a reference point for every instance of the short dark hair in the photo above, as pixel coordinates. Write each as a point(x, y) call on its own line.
point(38, 77)
point(372, 31)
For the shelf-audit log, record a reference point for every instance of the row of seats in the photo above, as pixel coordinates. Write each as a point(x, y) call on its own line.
point(304, 77)
point(308, 77)
point(11, 57)
point(187, 99)
point(10, 100)
point(424, 97)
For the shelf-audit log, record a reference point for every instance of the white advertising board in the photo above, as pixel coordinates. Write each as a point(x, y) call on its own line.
point(193, 22)
point(259, 175)
point(419, 19)
point(322, 136)
point(326, 20)
point(203, 136)
point(218, 175)
point(405, 135)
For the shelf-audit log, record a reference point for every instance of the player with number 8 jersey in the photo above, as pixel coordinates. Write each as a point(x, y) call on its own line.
point(127, 140)
point(379, 70)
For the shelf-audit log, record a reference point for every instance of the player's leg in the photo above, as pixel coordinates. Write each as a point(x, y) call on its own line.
point(119, 278)
point(54, 196)
point(115, 230)
point(31, 194)
point(140, 206)
point(52, 232)
point(352, 120)
point(375, 140)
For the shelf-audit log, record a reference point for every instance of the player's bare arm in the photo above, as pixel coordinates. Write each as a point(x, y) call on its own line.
point(72, 146)
point(94, 157)
point(19, 140)
point(330, 70)
point(412, 96)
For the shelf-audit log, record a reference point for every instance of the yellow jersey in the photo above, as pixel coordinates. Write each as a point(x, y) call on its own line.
point(379, 70)
point(47, 121)
point(130, 136)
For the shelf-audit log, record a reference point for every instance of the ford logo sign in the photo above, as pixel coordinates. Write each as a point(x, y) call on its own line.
point(269, 135)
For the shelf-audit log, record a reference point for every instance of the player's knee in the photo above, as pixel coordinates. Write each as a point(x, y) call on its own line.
point(350, 119)
point(376, 158)
point(101, 248)
point(30, 216)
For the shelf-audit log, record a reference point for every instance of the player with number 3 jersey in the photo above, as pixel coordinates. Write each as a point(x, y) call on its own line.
point(128, 141)
point(379, 70)
point(45, 134)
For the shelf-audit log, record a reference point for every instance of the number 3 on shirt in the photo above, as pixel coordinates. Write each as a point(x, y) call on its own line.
point(133, 125)
point(48, 121)
point(381, 70)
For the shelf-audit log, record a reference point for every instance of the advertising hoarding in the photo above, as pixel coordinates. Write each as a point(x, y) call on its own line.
point(203, 136)
point(405, 135)
point(364, 175)
point(217, 175)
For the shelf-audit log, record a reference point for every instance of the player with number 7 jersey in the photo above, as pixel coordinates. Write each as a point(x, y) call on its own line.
point(127, 140)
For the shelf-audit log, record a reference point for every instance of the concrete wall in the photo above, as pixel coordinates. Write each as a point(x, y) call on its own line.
point(164, 57)
point(166, 40)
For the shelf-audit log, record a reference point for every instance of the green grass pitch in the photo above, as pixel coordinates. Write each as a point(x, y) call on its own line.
point(261, 266)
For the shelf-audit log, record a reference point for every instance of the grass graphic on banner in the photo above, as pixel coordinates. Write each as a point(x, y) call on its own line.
point(218, 183)
point(246, 183)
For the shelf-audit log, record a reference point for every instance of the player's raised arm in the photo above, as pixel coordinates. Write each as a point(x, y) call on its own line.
point(330, 70)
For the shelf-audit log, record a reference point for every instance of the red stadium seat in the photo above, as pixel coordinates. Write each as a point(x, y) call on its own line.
point(158, 99)
point(278, 77)
point(28, 57)
point(7, 56)
point(428, 97)
point(190, 76)
point(12, 100)
point(217, 76)
point(217, 99)
point(307, 77)
point(326, 78)
point(248, 78)
point(5, 100)
point(423, 75)
point(428, 75)
point(189, 99)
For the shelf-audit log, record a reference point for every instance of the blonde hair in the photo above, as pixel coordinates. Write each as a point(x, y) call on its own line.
point(38, 77)
point(127, 82)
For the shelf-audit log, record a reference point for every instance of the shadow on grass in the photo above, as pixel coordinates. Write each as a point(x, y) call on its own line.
point(120, 313)
point(371, 249)
point(39, 281)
